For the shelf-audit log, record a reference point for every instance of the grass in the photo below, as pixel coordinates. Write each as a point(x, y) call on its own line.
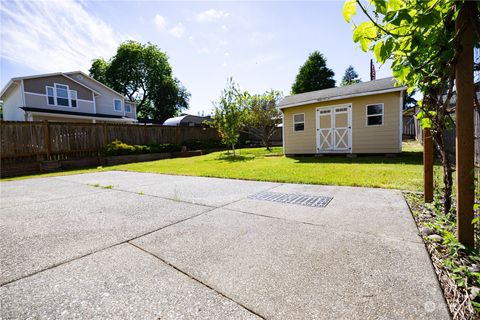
point(402, 172)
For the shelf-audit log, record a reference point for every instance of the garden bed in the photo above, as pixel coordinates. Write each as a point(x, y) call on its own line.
point(457, 267)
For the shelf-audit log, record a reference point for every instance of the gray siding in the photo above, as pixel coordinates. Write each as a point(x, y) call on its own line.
point(133, 113)
point(37, 85)
point(40, 101)
point(12, 104)
point(104, 101)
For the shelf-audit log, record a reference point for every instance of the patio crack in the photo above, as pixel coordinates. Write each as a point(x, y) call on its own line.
point(198, 281)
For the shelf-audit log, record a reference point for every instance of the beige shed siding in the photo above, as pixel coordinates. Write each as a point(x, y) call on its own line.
point(37, 85)
point(376, 139)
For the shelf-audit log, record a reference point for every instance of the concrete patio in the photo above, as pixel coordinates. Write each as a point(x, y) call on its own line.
point(124, 245)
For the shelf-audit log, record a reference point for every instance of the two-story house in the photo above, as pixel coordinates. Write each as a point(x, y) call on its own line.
point(64, 96)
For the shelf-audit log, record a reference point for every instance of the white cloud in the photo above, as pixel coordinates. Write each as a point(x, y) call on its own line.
point(210, 15)
point(178, 31)
point(54, 36)
point(224, 28)
point(160, 22)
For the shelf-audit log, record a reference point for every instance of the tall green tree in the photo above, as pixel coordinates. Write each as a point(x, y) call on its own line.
point(350, 77)
point(262, 115)
point(313, 75)
point(229, 114)
point(143, 74)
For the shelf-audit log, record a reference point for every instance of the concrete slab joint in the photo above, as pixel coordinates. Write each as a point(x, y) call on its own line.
point(159, 246)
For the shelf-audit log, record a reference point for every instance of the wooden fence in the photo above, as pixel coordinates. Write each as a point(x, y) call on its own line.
point(44, 141)
point(450, 137)
point(409, 127)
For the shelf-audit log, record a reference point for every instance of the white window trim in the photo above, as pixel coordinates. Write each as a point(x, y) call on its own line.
point(121, 105)
point(46, 95)
point(294, 123)
point(374, 115)
point(129, 106)
point(69, 94)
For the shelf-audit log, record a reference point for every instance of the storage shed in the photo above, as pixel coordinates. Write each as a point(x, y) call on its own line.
point(362, 118)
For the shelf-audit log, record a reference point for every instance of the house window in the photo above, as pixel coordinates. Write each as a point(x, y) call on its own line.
point(117, 105)
point(50, 96)
point(60, 95)
point(375, 114)
point(299, 122)
point(128, 108)
point(61, 92)
point(73, 98)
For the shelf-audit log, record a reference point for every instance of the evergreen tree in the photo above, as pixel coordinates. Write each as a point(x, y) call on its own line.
point(350, 77)
point(313, 75)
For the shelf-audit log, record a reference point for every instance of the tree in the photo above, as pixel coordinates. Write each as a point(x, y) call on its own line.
point(143, 74)
point(229, 113)
point(313, 75)
point(350, 77)
point(420, 39)
point(262, 116)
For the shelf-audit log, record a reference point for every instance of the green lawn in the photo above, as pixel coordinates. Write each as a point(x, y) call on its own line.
point(402, 172)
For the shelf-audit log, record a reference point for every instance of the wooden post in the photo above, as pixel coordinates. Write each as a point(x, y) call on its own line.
point(427, 166)
point(145, 134)
point(48, 143)
point(464, 116)
point(105, 138)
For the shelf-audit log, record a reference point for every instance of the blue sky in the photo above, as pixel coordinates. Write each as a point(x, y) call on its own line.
point(260, 44)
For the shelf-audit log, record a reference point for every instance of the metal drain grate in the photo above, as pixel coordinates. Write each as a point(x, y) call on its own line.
point(300, 199)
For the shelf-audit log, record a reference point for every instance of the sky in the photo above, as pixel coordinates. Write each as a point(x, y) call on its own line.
point(261, 44)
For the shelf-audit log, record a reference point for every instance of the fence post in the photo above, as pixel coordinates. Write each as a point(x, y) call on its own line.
point(48, 144)
point(177, 135)
point(427, 166)
point(464, 114)
point(105, 138)
point(145, 134)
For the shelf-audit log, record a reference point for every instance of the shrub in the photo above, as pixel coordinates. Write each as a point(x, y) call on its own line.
point(117, 148)
point(196, 144)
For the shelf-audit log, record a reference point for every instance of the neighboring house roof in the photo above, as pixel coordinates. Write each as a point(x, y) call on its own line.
point(16, 79)
point(74, 113)
point(354, 90)
point(67, 75)
point(175, 121)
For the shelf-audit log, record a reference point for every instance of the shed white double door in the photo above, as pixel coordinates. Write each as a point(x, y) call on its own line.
point(334, 129)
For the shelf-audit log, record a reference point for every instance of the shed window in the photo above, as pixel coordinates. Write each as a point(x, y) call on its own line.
point(299, 122)
point(375, 115)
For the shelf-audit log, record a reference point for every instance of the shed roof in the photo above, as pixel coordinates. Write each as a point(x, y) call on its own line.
point(354, 90)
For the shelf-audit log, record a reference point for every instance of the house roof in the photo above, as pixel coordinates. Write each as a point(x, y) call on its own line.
point(67, 75)
point(354, 90)
point(16, 79)
point(75, 113)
